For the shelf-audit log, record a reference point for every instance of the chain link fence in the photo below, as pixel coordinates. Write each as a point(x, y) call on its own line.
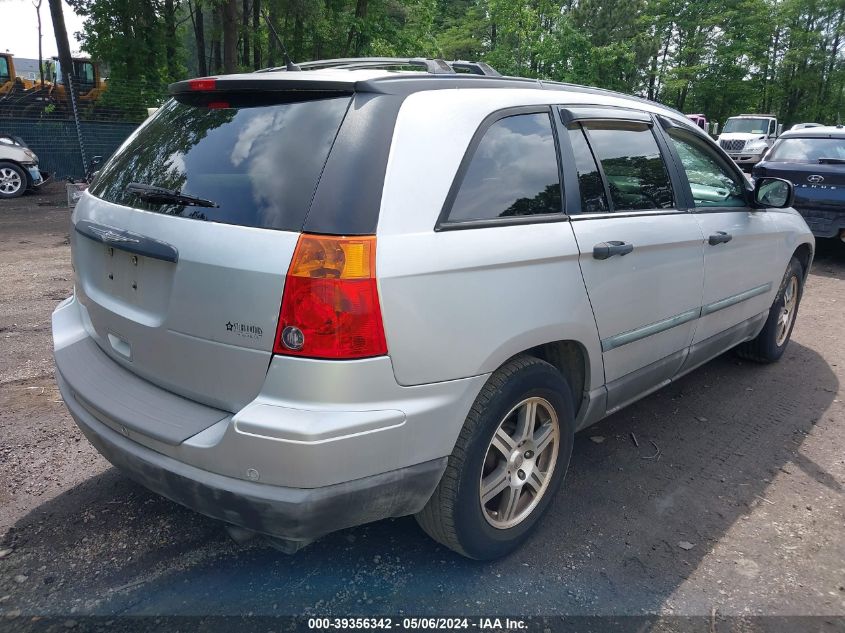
point(68, 137)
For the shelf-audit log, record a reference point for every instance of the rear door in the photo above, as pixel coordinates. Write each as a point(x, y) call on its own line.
point(741, 244)
point(640, 254)
point(187, 295)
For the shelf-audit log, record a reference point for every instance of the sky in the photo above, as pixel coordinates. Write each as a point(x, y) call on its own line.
point(19, 29)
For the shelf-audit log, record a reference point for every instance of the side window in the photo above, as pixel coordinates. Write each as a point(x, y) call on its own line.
point(636, 174)
point(4, 69)
point(513, 172)
point(772, 127)
point(593, 198)
point(712, 183)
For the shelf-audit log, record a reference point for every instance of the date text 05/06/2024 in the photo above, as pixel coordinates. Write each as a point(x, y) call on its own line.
point(410, 623)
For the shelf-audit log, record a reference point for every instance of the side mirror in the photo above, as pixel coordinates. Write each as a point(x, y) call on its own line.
point(779, 130)
point(774, 193)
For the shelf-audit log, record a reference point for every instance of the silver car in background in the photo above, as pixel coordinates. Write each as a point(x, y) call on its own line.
point(18, 167)
point(310, 300)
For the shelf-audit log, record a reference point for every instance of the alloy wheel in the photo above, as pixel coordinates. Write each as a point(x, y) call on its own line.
point(10, 181)
point(519, 463)
point(787, 312)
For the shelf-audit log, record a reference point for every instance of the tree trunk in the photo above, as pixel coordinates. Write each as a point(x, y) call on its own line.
point(272, 45)
point(170, 40)
point(230, 36)
point(354, 34)
point(296, 51)
point(216, 50)
point(256, 25)
point(40, 52)
point(245, 28)
point(62, 43)
point(199, 36)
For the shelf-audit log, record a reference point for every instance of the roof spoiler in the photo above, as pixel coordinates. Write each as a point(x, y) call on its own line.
point(260, 83)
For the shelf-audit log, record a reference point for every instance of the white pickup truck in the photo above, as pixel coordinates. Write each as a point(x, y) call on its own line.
point(748, 136)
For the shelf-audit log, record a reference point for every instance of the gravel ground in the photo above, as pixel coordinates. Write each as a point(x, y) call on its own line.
point(742, 513)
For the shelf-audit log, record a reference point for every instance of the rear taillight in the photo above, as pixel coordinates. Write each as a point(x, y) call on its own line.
point(330, 307)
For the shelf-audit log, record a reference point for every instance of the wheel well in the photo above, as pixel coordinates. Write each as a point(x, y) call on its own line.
point(804, 254)
point(570, 359)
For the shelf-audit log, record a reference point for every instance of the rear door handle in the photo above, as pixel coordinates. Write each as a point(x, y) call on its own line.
point(719, 237)
point(605, 250)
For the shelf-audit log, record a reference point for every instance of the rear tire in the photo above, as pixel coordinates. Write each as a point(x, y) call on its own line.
point(769, 345)
point(508, 463)
point(13, 181)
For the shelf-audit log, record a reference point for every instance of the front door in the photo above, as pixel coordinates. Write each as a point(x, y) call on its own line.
point(641, 257)
point(740, 247)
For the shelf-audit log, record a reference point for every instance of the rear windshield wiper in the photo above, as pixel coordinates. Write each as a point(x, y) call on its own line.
point(832, 161)
point(151, 193)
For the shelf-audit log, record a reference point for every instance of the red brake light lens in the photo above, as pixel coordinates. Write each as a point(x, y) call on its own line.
point(202, 84)
point(330, 308)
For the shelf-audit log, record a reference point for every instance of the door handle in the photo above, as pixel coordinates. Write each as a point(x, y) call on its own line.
point(605, 250)
point(719, 237)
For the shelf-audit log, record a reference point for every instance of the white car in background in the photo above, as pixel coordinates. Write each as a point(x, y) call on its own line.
point(18, 167)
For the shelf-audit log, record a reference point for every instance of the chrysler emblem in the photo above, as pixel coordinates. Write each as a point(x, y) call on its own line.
point(815, 179)
point(107, 235)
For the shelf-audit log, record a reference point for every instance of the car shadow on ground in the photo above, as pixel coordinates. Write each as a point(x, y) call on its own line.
point(829, 258)
point(684, 464)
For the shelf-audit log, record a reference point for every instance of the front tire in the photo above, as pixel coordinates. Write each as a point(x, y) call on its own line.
point(771, 342)
point(13, 180)
point(508, 463)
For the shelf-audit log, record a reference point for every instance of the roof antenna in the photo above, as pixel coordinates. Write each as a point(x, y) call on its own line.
point(289, 65)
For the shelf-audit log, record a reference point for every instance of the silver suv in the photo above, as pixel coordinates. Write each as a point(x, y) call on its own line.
point(310, 300)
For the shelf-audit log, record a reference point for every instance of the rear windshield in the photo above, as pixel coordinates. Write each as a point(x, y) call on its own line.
point(259, 164)
point(807, 150)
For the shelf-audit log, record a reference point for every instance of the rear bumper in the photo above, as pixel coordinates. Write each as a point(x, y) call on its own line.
point(824, 223)
point(297, 514)
point(322, 447)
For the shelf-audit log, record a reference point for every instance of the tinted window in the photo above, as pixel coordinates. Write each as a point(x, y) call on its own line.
point(746, 126)
point(807, 150)
point(593, 198)
point(513, 172)
point(633, 166)
point(260, 164)
point(4, 69)
point(712, 183)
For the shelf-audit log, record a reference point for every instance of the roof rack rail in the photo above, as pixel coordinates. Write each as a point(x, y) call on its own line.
point(433, 66)
point(475, 68)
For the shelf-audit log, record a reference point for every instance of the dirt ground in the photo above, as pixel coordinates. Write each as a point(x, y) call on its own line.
point(743, 512)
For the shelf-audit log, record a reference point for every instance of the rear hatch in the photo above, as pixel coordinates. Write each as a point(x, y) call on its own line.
point(185, 290)
point(816, 166)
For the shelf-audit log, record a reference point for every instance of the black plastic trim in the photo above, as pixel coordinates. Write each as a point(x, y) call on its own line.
point(443, 223)
point(123, 240)
point(348, 196)
point(263, 83)
point(571, 114)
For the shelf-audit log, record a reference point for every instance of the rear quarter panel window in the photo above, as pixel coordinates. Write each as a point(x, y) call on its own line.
point(259, 164)
point(513, 172)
